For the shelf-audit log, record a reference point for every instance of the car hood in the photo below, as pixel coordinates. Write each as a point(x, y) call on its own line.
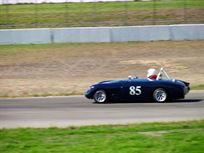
point(109, 81)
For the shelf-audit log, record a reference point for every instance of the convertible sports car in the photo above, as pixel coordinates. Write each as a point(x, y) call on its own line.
point(160, 89)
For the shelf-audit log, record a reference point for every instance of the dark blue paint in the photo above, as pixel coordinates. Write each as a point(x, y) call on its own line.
point(118, 90)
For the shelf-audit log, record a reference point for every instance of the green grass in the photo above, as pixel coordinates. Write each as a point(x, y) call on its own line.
point(103, 6)
point(177, 137)
point(95, 14)
point(198, 87)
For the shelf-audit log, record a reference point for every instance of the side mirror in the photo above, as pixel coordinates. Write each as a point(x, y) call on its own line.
point(130, 77)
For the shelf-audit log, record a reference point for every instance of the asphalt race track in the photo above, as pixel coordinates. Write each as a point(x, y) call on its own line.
point(76, 110)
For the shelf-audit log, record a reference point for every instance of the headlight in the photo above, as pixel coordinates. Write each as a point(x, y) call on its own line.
point(91, 87)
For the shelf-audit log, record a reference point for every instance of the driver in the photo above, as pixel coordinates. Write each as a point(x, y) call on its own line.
point(152, 74)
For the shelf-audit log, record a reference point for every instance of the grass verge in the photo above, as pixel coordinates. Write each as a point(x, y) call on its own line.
point(176, 137)
point(198, 87)
point(100, 14)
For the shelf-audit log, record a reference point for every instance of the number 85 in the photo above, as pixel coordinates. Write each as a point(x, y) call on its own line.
point(135, 90)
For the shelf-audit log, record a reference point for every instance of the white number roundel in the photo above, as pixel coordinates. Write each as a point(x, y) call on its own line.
point(135, 90)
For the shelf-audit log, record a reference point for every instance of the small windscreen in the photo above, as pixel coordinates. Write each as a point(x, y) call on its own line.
point(163, 75)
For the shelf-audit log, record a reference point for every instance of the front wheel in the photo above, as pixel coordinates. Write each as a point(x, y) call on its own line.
point(160, 95)
point(100, 96)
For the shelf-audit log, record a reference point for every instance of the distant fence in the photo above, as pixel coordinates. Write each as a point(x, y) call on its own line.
point(125, 13)
point(54, 1)
point(102, 34)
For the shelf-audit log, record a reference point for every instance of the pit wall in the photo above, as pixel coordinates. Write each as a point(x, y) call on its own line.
point(102, 34)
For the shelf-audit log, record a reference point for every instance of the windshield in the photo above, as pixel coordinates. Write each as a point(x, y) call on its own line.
point(162, 75)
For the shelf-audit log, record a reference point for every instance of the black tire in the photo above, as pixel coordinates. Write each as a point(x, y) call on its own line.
point(160, 95)
point(100, 96)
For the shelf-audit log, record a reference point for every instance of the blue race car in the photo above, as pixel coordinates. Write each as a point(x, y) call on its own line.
point(160, 89)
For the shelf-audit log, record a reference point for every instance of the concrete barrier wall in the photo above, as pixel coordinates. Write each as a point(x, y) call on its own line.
point(95, 34)
point(187, 32)
point(140, 33)
point(102, 34)
point(25, 36)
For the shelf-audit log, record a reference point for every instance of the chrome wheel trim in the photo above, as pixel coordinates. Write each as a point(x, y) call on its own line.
point(160, 95)
point(100, 96)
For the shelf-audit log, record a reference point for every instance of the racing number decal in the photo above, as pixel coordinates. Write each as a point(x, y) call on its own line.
point(135, 90)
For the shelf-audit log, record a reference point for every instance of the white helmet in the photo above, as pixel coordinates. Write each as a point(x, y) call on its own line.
point(152, 73)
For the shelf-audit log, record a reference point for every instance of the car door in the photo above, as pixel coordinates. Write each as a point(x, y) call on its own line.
point(135, 89)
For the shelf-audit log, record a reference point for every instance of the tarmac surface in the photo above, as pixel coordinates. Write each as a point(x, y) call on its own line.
point(77, 111)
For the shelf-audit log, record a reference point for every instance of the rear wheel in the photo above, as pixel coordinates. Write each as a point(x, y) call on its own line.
point(160, 95)
point(100, 96)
